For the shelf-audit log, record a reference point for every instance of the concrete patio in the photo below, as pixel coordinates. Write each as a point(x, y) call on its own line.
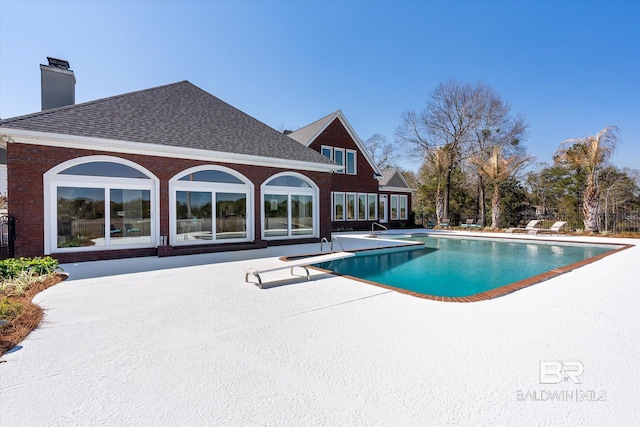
point(185, 341)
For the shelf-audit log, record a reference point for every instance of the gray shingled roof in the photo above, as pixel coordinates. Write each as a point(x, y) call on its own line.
point(304, 134)
point(179, 114)
point(392, 178)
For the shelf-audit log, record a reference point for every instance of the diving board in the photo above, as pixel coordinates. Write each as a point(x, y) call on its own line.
point(302, 262)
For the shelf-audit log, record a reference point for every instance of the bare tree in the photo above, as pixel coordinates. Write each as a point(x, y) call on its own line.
point(384, 154)
point(465, 120)
point(590, 153)
point(445, 125)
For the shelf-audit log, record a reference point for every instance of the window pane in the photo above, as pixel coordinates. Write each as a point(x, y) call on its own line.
point(212, 176)
point(288, 181)
point(276, 215)
point(231, 216)
point(80, 217)
point(394, 207)
point(362, 203)
point(326, 151)
point(193, 215)
point(403, 207)
point(351, 206)
point(338, 206)
point(104, 169)
point(382, 208)
point(339, 158)
point(372, 206)
point(130, 216)
point(301, 215)
point(351, 162)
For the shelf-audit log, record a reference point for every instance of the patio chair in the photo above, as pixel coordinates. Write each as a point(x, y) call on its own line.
point(131, 229)
point(530, 226)
point(479, 224)
point(554, 229)
point(469, 223)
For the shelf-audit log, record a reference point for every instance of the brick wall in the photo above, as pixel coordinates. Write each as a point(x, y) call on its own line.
point(335, 135)
point(26, 165)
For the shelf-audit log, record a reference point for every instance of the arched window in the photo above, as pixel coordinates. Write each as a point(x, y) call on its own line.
point(100, 203)
point(289, 207)
point(209, 204)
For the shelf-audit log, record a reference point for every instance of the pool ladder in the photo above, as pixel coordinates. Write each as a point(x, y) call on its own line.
point(330, 243)
point(373, 231)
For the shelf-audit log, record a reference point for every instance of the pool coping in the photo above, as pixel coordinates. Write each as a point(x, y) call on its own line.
point(492, 293)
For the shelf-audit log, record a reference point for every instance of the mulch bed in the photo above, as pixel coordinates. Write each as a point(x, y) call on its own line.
point(12, 333)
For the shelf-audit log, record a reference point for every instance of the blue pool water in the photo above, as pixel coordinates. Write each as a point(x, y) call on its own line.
point(457, 267)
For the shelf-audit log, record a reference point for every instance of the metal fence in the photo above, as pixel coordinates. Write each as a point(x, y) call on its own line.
point(616, 222)
point(7, 236)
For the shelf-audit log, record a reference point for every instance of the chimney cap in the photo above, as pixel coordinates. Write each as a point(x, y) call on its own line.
point(59, 63)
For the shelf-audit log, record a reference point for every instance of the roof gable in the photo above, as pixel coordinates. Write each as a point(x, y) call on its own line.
point(178, 115)
point(307, 134)
point(393, 178)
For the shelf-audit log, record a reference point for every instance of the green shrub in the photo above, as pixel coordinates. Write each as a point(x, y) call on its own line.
point(9, 310)
point(42, 266)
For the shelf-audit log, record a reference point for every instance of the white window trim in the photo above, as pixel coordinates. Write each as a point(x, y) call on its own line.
point(355, 206)
point(313, 191)
point(365, 207)
point(406, 207)
point(213, 187)
point(52, 180)
point(344, 159)
point(330, 148)
point(355, 162)
point(333, 206)
point(383, 199)
point(375, 204)
point(394, 205)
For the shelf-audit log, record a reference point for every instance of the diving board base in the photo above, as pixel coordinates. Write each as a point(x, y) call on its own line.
point(303, 263)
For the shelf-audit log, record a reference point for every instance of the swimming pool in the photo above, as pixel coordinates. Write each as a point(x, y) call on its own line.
point(455, 268)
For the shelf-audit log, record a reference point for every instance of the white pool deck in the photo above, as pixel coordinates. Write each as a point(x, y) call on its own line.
point(185, 341)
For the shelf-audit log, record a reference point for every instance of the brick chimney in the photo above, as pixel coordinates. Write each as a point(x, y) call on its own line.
point(58, 84)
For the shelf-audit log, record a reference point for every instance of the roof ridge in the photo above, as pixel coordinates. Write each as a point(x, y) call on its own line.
point(93, 102)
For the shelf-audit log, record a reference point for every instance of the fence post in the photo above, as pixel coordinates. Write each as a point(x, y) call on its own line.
point(12, 236)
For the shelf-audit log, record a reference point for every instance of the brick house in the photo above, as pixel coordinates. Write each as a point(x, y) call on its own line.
point(361, 193)
point(164, 171)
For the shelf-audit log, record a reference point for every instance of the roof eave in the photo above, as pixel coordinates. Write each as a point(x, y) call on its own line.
point(396, 189)
point(131, 147)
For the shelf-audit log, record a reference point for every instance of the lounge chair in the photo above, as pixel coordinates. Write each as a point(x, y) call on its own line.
point(478, 224)
point(554, 229)
point(472, 224)
point(468, 224)
point(445, 223)
point(532, 225)
point(302, 263)
point(131, 229)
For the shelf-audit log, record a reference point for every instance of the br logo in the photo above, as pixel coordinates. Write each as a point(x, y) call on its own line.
point(553, 372)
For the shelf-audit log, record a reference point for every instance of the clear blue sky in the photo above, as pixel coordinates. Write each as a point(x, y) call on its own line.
point(571, 67)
